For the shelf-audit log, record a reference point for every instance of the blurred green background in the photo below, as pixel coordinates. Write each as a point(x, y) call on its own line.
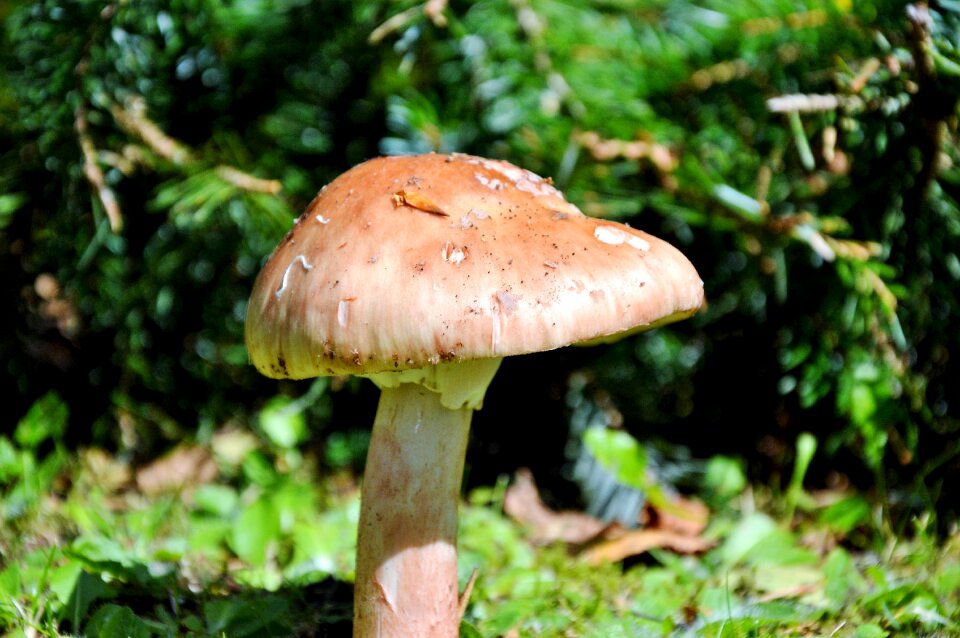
point(802, 153)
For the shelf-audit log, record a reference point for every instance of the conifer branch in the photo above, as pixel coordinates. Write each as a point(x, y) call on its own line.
point(134, 120)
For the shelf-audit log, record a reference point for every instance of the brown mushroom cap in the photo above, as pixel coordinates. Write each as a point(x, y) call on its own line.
point(405, 262)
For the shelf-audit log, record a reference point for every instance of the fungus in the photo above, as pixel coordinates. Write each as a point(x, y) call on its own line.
point(428, 321)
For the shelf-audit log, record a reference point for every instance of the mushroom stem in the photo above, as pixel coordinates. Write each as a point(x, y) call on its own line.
point(406, 576)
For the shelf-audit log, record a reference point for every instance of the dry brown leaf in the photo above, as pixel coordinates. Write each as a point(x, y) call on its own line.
point(639, 541)
point(523, 504)
point(675, 525)
point(181, 468)
point(684, 516)
point(418, 201)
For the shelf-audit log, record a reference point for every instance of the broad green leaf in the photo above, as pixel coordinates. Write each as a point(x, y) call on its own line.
point(241, 617)
point(257, 526)
point(283, 421)
point(469, 631)
point(84, 590)
point(115, 621)
point(846, 514)
point(9, 204)
point(871, 630)
point(621, 455)
point(322, 547)
point(46, 418)
point(947, 582)
point(862, 402)
point(208, 536)
point(259, 470)
point(744, 537)
point(216, 499)
point(841, 579)
point(102, 550)
point(9, 460)
point(779, 548)
point(725, 476)
point(63, 580)
point(10, 582)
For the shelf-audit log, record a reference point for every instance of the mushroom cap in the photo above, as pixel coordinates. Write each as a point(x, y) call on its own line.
point(406, 262)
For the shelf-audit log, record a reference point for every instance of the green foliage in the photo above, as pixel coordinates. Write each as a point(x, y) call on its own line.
point(46, 419)
point(235, 557)
point(806, 447)
point(28, 469)
point(117, 569)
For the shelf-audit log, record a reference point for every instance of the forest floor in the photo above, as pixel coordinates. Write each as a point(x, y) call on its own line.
point(238, 537)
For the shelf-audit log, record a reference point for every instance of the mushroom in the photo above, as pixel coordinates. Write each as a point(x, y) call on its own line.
point(421, 273)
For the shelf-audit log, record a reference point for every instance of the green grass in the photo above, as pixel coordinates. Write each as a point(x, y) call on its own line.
point(264, 546)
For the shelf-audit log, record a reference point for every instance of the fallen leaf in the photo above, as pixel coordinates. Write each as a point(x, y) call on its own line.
point(418, 201)
point(685, 516)
point(523, 504)
point(181, 468)
point(634, 542)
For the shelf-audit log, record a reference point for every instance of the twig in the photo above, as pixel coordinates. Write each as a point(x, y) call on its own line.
point(391, 24)
point(809, 103)
point(720, 73)
point(434, 10)
point(871, 66)
point(468, 588)
point(248, 182)
point(94, 175)
point(605, 149)
point(134, 120)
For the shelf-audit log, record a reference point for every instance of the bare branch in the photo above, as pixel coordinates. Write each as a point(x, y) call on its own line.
point(133, 119)
point(91, 170)
point(809, 103)
point(391, 24)
point(433, 9)
point(248, 182)
point(605, 149)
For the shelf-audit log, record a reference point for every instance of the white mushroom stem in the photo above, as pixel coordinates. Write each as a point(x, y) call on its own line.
point(406, 576)
point(406, 582)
